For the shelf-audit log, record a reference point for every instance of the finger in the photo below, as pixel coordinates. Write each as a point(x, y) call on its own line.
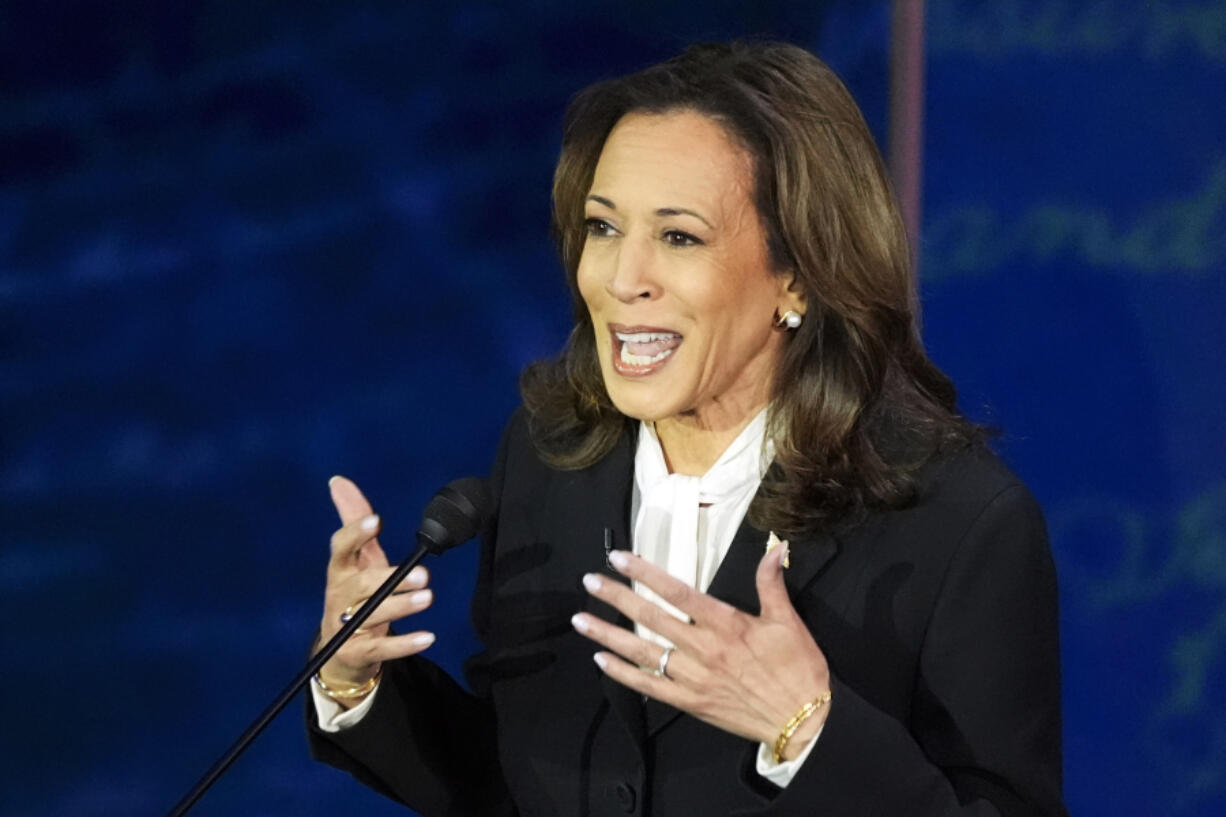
point(399, 605)
point(772, 591)
point(363, 652)
point(350, 594)
point(358, 547)
point(640, 610)
point(645, 683)
point(697, 605)
point(349, 539)
point(393, 608)
point(371, 553)
point(362, 585)
point(640, 651)
point(350, 503)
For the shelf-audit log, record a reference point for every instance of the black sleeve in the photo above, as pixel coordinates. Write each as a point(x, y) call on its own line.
point(983, 737)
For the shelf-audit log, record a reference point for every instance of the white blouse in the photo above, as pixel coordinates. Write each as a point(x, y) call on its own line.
point(685, 524)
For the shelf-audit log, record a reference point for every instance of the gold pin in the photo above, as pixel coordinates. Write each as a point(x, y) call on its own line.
point(773, 542)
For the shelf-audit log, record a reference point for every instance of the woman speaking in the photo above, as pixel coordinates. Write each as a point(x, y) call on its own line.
point(748, 558)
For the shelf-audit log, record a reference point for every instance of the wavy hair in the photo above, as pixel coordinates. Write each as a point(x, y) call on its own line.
point(857, 407)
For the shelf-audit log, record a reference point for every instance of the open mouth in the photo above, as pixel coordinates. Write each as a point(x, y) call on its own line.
point(641, 350)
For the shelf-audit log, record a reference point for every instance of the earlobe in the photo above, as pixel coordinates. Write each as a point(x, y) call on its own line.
point(791, 319)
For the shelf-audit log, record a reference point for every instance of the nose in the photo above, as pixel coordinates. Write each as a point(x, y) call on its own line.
point(634, 275)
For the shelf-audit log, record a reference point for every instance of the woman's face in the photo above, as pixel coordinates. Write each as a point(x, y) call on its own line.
point(676, 276)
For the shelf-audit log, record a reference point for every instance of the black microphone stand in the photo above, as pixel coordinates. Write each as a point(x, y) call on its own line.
point(300, 680)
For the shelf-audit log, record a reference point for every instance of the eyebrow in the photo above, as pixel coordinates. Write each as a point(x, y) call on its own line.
point(663, 211)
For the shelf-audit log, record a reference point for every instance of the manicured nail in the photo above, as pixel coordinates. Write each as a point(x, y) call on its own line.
point(333, 479)
point(600, 660)
point(591, 581)
point(417, 575)
point(619, 559)
point(421, 596)
point(580, 622)
point(370, 523)
point(422, 640)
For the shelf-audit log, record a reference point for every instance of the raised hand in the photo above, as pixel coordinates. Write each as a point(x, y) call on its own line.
point(356, 568)
point(745, 674)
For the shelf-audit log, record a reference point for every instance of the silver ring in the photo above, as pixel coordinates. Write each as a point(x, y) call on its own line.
point(347, 614)
point(662, 669)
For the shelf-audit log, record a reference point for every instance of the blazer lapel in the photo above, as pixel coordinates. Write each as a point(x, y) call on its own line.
point(607, 498)
point(735, 583)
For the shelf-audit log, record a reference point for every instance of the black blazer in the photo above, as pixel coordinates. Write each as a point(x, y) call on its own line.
point(938, 621)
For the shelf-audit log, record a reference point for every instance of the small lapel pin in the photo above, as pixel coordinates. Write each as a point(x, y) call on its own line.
point(773, 542)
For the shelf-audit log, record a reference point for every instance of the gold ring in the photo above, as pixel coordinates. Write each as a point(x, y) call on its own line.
point(349, 612)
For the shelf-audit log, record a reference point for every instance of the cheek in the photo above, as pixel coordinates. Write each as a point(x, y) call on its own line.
point(589, 288)
point(739, 318)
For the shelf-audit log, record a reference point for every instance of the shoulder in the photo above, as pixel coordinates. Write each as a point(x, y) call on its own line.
point(969, 482)
point(969, 504)
point(521, 467)
point(516, 434)
point(516, 459)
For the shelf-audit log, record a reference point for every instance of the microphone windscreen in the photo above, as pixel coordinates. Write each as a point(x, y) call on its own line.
point(457, 513)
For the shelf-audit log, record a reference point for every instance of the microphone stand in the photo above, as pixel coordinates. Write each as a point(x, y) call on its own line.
point(300, 680)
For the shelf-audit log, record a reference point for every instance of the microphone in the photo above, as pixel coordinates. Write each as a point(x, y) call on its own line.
point(458, 512)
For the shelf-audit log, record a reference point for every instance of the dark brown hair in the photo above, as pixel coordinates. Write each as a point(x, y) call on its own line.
point(857, 405)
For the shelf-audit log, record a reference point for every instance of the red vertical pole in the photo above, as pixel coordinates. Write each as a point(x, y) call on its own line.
point(906, 138)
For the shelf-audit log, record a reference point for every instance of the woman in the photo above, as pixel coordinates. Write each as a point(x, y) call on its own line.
point(745, 368)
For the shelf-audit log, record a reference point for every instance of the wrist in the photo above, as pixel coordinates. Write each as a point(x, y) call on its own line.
point(800, 730)
point(347, 694)
point(804, 735)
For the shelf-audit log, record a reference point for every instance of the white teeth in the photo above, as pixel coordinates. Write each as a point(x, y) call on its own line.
point(642, 360)
point(644, 337)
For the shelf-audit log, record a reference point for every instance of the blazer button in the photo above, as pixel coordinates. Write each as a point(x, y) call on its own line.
point(625, 796)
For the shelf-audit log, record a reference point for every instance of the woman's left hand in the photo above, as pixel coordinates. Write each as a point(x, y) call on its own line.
point(745, 674)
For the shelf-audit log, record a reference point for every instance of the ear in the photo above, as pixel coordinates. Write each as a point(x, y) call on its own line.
point(792, 294)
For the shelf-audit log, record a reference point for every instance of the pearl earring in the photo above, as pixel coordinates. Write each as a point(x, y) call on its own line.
point(791, 319)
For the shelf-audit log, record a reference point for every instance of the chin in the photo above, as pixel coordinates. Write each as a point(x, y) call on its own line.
point(639, 410)
point(640, 401)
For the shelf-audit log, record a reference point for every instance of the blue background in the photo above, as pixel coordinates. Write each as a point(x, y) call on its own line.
point(246, 246)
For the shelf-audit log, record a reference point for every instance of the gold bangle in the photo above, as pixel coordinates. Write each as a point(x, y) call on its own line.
point(360, 691)
point(800, 717)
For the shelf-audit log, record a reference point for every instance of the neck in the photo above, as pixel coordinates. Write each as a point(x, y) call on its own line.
point(692, 443)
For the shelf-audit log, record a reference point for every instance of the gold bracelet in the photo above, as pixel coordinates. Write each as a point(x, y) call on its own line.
point(360, 691)
point(800, 717)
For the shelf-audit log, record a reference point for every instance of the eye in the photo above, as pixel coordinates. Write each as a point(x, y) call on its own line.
point(598, 227)
point(677, 238)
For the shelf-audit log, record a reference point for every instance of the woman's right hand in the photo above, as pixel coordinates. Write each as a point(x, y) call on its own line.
point(357, 567)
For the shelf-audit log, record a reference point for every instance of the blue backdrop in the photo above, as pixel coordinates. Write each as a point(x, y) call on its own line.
point(246, 246)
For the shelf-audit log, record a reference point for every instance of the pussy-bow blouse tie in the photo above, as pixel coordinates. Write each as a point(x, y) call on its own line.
point(681, 524)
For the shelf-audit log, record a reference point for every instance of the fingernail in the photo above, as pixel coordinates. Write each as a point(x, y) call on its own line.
point(333, 479)
point(600, 660)
point(417, 575)
point(422, 640)
point(619, 559)
point(591, 581)
point(421, 596)
point(580, 622)
point(370, 523)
